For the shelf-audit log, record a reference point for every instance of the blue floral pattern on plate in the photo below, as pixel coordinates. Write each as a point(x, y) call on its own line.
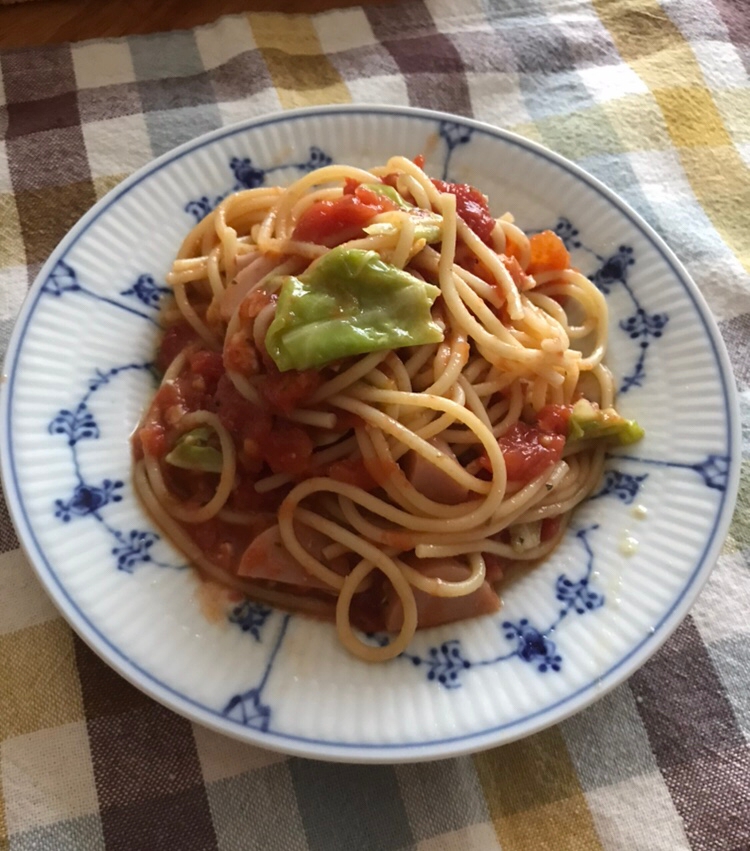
point(250, 617)
point(250, 175)
point(131, 547)
point(624, 486)
point(447, 662)
point(611, 272)
point(248, 708)
point(64, 279)
point(147, 291)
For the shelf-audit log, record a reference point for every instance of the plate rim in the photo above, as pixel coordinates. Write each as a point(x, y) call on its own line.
point(297, 745)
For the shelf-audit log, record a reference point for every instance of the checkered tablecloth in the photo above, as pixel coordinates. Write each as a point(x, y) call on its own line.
point(651, 98)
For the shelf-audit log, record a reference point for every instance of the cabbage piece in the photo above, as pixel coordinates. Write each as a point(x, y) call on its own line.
point(589, 421)
point(192, 452)
point(350, 302)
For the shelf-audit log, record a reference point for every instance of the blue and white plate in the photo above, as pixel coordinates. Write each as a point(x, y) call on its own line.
point(79, 373)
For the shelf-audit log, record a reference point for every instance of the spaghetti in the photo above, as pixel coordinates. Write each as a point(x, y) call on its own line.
point(376, 400)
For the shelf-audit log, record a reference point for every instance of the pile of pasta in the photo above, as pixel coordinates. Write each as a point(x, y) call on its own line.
point(377, 399)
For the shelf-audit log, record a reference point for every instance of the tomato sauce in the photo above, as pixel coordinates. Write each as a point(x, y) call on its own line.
point(285, 391)
point(239, 416)
point(175, 339)
point(266, 442)
point(153, 441)
point(352, 471)
point(528, 451)
point(471, 206)
point(332, 223)
point(466, 258)
point(554, 418)
point(209, 366)
point(287, 449)
point(519, 277)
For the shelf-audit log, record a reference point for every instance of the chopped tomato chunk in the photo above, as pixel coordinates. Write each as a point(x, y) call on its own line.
point(238, 416)
point(209, 365)
point(419, 161)
point(192, 391)
point(367, 195)
point(153, 439)
point(371, 198)
point(333, 222)
point(285, 391)
point(471, 206)
point(287, 449)
point(196, 385)
point(548, 253)
point(554, 418)
point(528, 451)
point(240, 354)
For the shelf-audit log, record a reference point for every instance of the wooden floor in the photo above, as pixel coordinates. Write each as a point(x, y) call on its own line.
point(53, 21)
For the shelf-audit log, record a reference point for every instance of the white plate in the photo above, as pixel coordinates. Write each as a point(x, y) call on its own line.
point(77, 380)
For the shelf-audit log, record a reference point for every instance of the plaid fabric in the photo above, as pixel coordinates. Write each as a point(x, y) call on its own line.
point(653, 99)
